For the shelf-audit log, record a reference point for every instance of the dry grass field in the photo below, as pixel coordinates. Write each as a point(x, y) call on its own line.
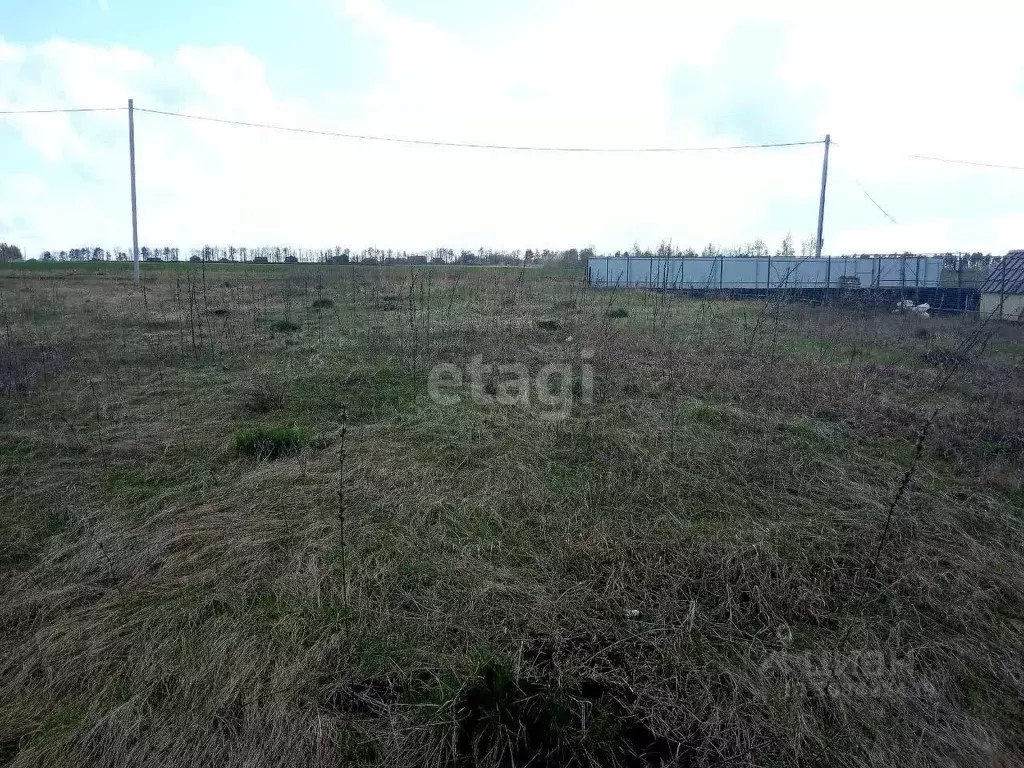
point(237, 529)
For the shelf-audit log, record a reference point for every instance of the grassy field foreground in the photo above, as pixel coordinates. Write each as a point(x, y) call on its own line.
point(236, 529)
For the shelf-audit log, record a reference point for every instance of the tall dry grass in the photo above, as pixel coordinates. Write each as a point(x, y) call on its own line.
point(720, 560)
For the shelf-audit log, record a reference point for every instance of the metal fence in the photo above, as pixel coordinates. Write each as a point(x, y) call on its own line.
point(764, 273)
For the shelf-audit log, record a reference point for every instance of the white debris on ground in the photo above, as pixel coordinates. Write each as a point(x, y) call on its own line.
point(907, 307)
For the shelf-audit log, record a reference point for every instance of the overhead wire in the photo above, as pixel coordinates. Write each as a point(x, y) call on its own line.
point(472, 145)
point(873, 201)
point(477, 145)
point(967, 162)
point(950, 160)
point(61, 110)
point(492, 146)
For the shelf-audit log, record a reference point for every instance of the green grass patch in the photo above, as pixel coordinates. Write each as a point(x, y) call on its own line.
point(827, 351)
point(1016, 499)
point(132, 486)
point(369, 394)
point(718, 415)
point(1008, 348)
point(814, 436)
point(269, 442)
point(286, 325)
point(59, 726)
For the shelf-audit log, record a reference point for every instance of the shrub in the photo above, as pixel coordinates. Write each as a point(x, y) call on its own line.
point(945, 357)
point(268, 442)
point(389, 302)
point(264, 396)
point(285, 325)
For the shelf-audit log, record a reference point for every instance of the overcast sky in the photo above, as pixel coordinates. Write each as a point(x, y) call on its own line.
point(884, 79)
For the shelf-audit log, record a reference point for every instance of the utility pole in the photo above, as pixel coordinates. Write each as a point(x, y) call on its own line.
point(135, 218)
point(821, 205)
point(821, 217)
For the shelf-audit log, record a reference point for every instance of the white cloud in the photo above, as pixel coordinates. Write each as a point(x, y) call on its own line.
point(650, 73)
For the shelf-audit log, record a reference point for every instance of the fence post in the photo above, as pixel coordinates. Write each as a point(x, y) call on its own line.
point(135, 218)
point(917, 280)
point(1002, 287)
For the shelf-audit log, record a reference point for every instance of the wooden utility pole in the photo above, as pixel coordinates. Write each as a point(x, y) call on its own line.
point(135, 218)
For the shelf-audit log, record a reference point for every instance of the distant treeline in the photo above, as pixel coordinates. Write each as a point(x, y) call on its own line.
point(483, 256)
point(102, 254)
point(9, 253)
point(333, 255)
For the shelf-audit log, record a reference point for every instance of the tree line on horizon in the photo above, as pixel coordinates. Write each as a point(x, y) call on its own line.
point(10, 253)
point(481, 257)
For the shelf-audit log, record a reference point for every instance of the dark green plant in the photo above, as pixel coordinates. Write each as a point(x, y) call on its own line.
point(268, 442)
point(286, 325)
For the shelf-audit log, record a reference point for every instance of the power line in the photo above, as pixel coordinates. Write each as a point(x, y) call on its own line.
point(60, 110)
point(873, 201)
point(507, 147)
point(864, 189)
point(470, 145)
point(967, 162)
point(953, 161)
